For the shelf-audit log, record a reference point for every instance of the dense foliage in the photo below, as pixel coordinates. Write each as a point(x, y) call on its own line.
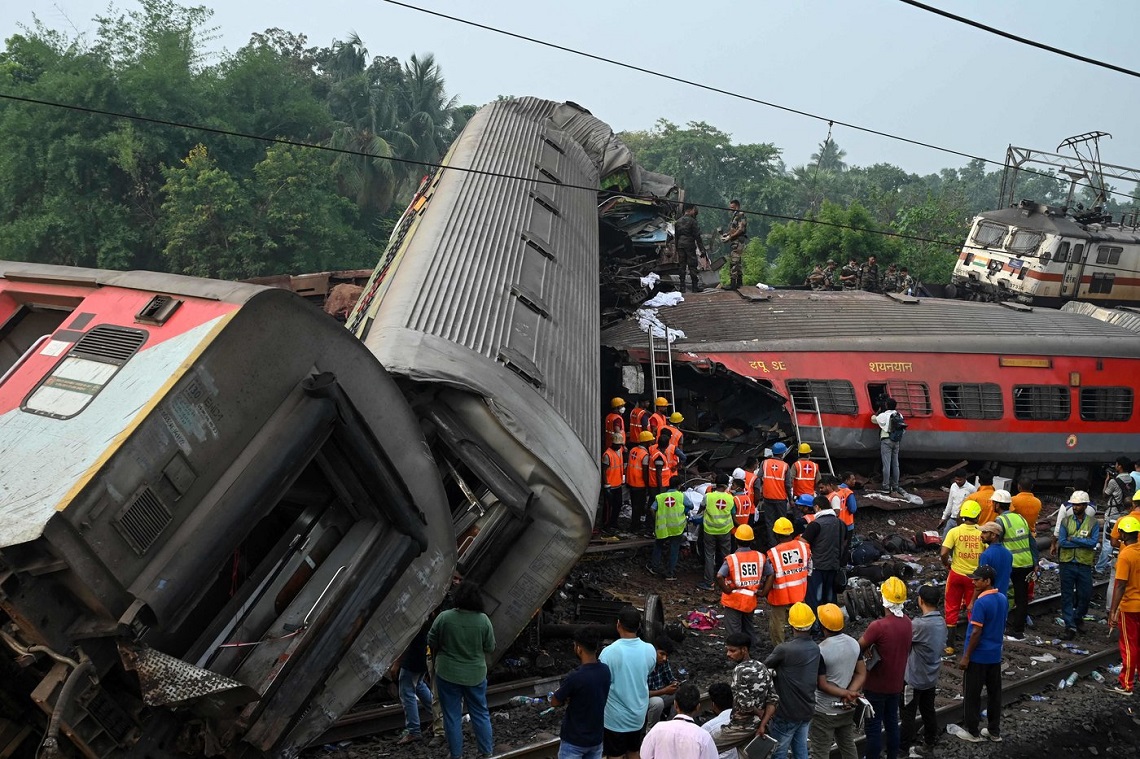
point(90, 189)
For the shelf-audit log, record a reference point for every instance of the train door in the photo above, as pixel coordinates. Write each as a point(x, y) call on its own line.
point(1071, 281)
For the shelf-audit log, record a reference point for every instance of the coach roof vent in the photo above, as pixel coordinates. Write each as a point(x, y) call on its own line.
point(109, 343)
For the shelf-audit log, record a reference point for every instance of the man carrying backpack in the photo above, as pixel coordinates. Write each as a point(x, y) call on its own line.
point(891, 429)
point(1118, 490)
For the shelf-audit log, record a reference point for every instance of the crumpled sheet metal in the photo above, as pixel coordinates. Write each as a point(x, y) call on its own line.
point(168, 681)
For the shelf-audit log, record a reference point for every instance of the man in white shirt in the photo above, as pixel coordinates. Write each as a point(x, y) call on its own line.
point(888, 449)
point(720, 694)
point(680, 737)
point(960, 489)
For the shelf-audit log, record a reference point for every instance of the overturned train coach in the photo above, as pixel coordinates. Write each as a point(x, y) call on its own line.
point(219, 518)
point(485, 307)
point(975, 381)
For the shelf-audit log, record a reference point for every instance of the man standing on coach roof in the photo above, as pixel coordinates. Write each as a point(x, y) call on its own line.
point(630, 660)
point(687, 234)
point(738, 237)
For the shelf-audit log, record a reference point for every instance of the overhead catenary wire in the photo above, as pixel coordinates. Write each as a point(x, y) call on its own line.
point(435, 165)
point(1022, 40)
point(722, 91)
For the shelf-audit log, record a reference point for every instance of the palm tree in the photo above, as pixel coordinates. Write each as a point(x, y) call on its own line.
point(829, 157)
point(425, 110)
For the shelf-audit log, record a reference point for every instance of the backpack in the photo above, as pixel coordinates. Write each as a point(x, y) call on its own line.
point(896, 427)
point(1127, 487)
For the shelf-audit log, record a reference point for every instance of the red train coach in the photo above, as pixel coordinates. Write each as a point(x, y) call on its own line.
point(979, 381)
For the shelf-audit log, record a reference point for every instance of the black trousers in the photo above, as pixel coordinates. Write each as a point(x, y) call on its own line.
point(770, 512)
point(639, 509)
point(980, 676)
point(688, 260)
point(613, 504)
point(921, 702)
point(1019, 581)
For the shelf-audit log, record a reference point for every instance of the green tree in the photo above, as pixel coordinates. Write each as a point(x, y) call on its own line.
point(941, 217)
point(801, 245)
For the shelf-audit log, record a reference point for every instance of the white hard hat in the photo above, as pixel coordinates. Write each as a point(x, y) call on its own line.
point(738, 474)
point(1079, 496)
point(1001, 496)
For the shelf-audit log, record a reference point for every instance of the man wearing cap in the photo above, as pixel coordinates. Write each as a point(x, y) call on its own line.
point(671, 423)
point(717, 525)
point(890, 638)
point(613, 478)
point(981, 661)
point(805, 473)
point(1124, 613)
point(790, 561)
point(775, 491)
point(996, 555)
point(960, 553)
point(1018, 538)
point(743, 577)
point(796, 664)
point(830, 276)
point(839, 686)
point(637, 481)
point(1078, 539)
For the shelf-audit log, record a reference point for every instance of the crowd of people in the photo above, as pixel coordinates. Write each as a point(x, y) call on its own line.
point(865, 276)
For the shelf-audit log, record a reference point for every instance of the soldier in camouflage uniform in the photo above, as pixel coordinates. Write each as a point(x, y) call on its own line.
point(738, 237)
point(830, 277)
point(849, 276)
point(906, 282)
point(817, 279)
point(754, 698)
point(890, 283)
point(687, 233)
point(869, 275)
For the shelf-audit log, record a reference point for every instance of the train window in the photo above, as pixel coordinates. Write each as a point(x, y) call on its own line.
point(990, 234)
point(1108, 254)
point(913, 398)
point(1041, 402)
point(1106, 404)
point(1062, 253)
point(972, 401)
point(1078, 253)
point(1025, 241)
point(834, 396)
point(1101, 283)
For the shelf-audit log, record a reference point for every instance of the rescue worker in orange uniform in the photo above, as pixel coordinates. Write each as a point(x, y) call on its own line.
point(744, 576)
point(613, 478)
point(637, 481)
point(983, 494)
point(674, 419)
point(662, 466)
point(790, 562)
point(842, 501)
point(657, 419)
point(775, 490)
point(638, 419)
point(615, 420)
point(744, 511)
point(751, 474)
point(805, 473)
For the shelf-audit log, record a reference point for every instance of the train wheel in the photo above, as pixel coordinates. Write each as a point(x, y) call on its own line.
point(654, 618)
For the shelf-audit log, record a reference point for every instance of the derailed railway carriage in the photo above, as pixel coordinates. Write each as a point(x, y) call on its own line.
point(219, 519)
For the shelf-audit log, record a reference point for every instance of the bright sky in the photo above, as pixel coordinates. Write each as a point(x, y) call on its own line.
point(875, 63)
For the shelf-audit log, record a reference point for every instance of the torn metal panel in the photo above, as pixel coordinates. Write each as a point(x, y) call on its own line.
point(168, 681)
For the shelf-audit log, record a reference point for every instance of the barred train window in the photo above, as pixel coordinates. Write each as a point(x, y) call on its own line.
point(1106, 404)
point(913, 397)
point(1101, 283)
point(1041, 402)
point(1024, 241)
point(834, 396)
point(990, 234)
point(1108, 254)
point(972, 401)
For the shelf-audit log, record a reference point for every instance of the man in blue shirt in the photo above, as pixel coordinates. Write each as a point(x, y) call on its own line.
point(1077, 539)
point(981, 660)
point(997, 555)
point(630, 660)
point(584, 691)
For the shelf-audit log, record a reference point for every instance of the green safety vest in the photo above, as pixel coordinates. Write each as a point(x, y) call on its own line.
point(1017, 539)
point(670, 514)
point(1082, 530)
point(718, 512)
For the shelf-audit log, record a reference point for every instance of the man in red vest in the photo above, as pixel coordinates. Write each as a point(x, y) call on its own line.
point(613, 477)
point(638, 419)
point(743, 577)
point(744, 510)
point(657, 419)
point(789, 563)
point(775, 483)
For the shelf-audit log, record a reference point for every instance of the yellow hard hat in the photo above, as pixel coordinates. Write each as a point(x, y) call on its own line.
point(744, 532)
point(800, 616)
point(1128, 523)
point(894, 590)
point(617, 403)
point(660, 402)
point(1136, 496)
point(676, 417)
point(783, 526)
point(645, 437)
point(970, 509)
point(831, 617)
point(804, 448)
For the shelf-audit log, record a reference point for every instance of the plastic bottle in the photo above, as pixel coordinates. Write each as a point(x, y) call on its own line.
point(1098, 677)
point(1071, 680)
point(1039, 698)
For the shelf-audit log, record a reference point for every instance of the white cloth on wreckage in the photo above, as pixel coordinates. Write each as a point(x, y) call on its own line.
point(648, 320)
point(661, 300)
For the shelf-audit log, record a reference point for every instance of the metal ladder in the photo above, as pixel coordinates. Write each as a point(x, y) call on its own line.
point(815, 436)
point(661, 368)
